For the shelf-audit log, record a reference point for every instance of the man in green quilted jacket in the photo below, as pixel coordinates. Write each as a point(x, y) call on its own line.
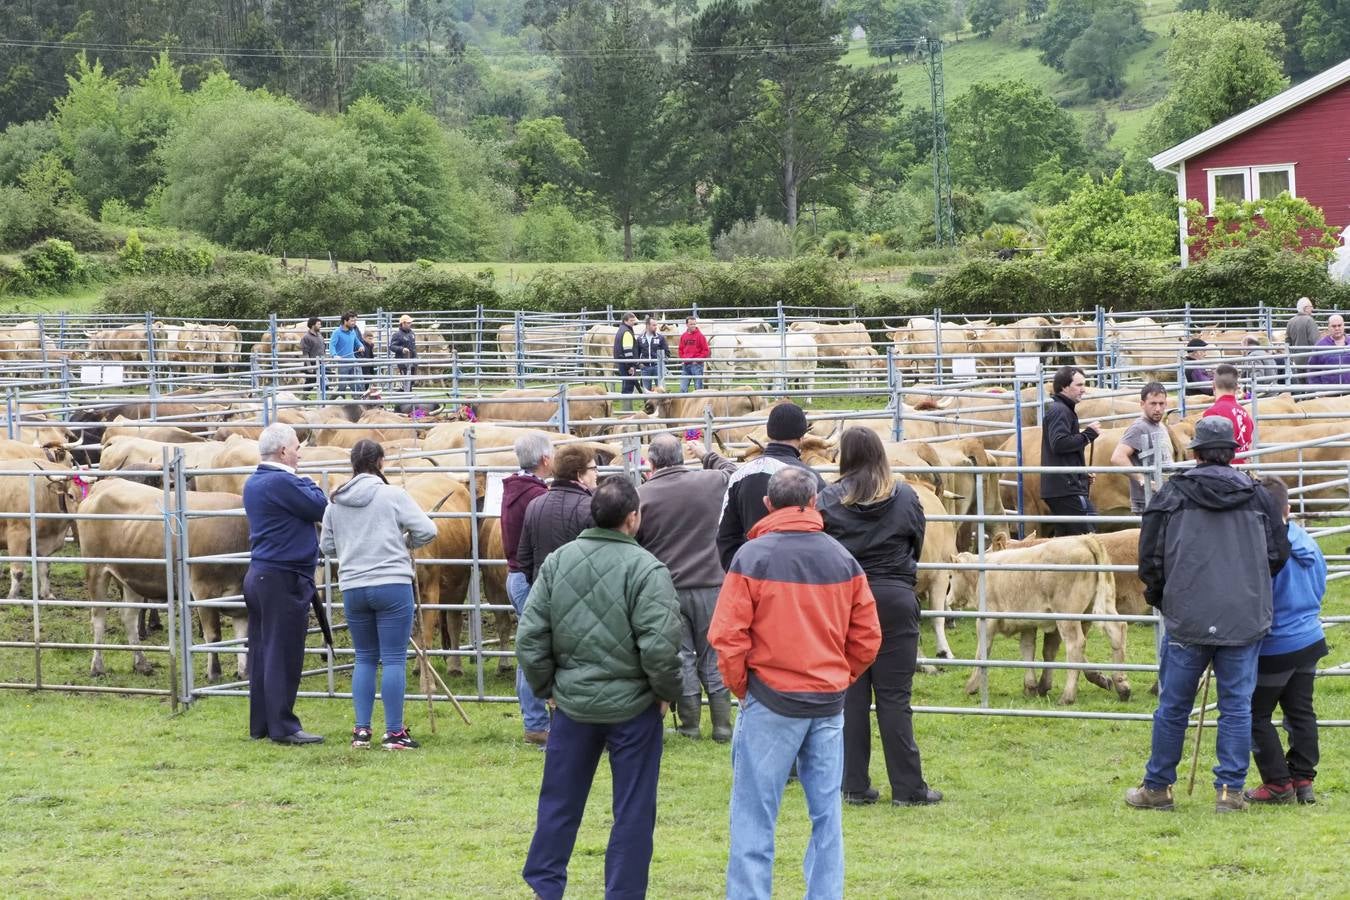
point(601, 637)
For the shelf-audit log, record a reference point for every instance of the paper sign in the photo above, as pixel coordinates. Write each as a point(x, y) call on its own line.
point(101, 374)
point(1027, 365)
point(114, 374)
point(963, 366)
point(492, 499)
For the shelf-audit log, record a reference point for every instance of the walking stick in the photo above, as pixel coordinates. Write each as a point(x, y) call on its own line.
point(1199, 729)
point(425, 661)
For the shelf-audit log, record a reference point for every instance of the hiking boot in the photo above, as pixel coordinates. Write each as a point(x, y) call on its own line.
point(398, 740)
point(927, 797)
point(537, 738)
point(688, 711)
point(361, 738)
point(862, 798)
point(1145, 797)
point(1228, 800)
point(1271, 793)
point(719, 705)
point(1303, 790)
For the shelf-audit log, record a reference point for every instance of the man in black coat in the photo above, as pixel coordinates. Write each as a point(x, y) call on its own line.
point(1062, 444)
point(652, 348)
point(626, 356)
point(403, 347)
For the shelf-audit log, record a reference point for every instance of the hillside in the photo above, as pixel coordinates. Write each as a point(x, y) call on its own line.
point(969, 59)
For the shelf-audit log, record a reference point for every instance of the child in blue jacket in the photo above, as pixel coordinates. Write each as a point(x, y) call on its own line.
point(1289, 656)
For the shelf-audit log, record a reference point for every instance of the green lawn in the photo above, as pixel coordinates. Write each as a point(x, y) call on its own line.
point(78, 301)
point(108, 796)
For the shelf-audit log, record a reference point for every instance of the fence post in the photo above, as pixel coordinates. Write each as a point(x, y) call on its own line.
point(1256, 415)
point(1181, 383)
point(478, 347)
point(693, 309)
point(1040, 398)
point(890, 367)
point(12, 410)
point(897, 410)
point(179, 625)
point(454, 374)
point(707, 428)
point(61, 333)
point(42, 342)
point(782, 348)
point(150, 361)
point(520, 349)
point(1101, 342)
point(632, 458)
point(1017, 431)
point(937, 343)
point(981, 624)
point(65, 385)
point(475, 568)
point(323, 379)
point(562, 408)
point(37, 606)
point(272, 331)
point(1186, 314)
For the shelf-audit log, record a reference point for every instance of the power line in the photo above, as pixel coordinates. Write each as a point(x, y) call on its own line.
point(414, 53)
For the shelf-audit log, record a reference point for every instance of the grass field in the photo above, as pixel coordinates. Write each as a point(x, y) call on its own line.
point(117, 797)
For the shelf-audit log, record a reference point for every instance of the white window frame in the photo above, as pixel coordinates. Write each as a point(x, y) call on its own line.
point(1244, 171)
point(1256, 180)
point(1251, 180)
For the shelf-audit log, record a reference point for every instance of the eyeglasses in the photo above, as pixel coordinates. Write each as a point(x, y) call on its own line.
point(592, 468)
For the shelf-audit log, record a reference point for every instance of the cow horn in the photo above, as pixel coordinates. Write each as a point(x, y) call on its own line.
point(948, 495)
point(751, 439)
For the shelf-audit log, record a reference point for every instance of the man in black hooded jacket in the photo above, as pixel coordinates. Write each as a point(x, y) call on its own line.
point(1062, 444)
point(1211, 541)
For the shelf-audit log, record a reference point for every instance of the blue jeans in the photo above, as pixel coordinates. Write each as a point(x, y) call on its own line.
point(1235, 677)
point(380, 619)
point(763, 749)
point(348, 380)
point(651, 376)
point(532, 709)
point(691, 371)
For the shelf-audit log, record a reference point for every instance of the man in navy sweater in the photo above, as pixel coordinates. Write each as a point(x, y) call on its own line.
point(282, 510)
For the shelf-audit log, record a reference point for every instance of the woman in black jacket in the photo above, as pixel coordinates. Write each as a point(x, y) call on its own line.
point(881, 523)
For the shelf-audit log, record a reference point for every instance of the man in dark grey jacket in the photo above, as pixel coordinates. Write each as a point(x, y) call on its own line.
point(1062, 444)
point(1301, 335)
point(557, 517)
point(680, 511)
point(1211, 541)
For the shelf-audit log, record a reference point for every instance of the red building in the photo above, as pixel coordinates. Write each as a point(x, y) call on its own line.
point(1297, 141)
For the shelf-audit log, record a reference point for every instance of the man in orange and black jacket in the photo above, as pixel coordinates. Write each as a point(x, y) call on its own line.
point(795, 625)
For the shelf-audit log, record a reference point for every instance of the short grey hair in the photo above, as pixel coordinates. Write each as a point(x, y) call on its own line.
point(275, 438)
point(665, 452)
point(1304, 305)
point(531, 449)
point(791, 486)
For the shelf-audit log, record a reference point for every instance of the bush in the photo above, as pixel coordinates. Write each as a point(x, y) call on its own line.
point(548, 232)
point(51, 265)
point(839, 244)
point(764, 238)
point(416, 289)
point(26, 219)
point(1250, 276)
point(239, 262)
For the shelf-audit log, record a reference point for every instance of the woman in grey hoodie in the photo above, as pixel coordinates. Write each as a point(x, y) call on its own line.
point(364, 527)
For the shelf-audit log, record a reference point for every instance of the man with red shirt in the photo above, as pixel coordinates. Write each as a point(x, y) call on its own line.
point(1226, 405)
point(693, 350)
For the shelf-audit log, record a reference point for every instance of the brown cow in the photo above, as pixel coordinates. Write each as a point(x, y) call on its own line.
point(492, 584)
point(584, 402)
point(441, 496)
point(845, 343)
point(1059, 592)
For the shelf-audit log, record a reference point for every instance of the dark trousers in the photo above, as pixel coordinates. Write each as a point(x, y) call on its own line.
point(890, 679)
point(1075, 505)
point(1293, 692)
point(278, 618)
point(628, 378)
point(574, 750)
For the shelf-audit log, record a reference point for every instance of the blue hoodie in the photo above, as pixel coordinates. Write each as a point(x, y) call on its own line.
point(342, 343)
point(1298, 592)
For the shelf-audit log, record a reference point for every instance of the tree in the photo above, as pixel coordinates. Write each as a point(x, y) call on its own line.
point(1276, 223)
point(546, 156)
point(987, 15)
point(816, 121)
point(616, 96)
point(1099, 217)
point(1217, 68)
point(892, 23)
point(1098, 54)
point(1066, 20)
point(1000, 131)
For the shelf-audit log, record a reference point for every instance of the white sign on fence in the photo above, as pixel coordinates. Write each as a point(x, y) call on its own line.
point(492, 499)
point(101, 374)
point(963, 366)
point(1027, 365)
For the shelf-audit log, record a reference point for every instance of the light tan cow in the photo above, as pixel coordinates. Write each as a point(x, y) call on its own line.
point(549, 346)
point(381, 425)
point(441, 496)
point(916, 344)
point(118, 345)
point(1056, 592)
point(998, 344)
point(154, 431)
point(492, 585)
point(144, 538)
point(328, 467)
point(140, 453)
point(49, 493)
point(845, 343)
point(584, 402)
point(447, 445)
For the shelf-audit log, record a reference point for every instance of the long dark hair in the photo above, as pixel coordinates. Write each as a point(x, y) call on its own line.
point(366, 458)
point(863, 467)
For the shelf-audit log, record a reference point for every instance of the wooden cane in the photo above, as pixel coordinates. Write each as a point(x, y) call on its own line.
point(1199, 730)
point(425, 661)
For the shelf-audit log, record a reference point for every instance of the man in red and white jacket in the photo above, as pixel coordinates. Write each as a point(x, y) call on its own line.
point(1226, 405)
point(693, 351)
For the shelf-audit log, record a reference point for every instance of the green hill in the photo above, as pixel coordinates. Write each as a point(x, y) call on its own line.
point(969, 59)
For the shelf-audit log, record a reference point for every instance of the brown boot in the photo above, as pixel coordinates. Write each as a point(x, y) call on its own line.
point(1145, 797)
point(1228, 800)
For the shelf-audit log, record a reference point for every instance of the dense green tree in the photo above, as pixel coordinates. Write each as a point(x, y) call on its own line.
point(546, 156)
point(987, 15)
point(1217, 67)
point(1065, 21)
point(1098, 55)
point(1000, 131)
point(22, 144)
point(1099, 217)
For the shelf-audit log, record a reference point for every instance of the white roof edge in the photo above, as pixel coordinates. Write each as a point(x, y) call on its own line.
point(1262, 112)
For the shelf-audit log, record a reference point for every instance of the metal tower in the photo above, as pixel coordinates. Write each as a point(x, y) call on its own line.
point(944, 223)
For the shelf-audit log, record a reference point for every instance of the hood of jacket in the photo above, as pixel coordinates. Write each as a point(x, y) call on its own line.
point(789, 518)
point(358, 492)
point(520, 483)
point(1216, 487)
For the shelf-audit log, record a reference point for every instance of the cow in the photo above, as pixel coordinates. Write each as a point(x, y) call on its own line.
point(916, 344)
point(447, 445)
point(27, 342)
point(780, 360)
point(140, 453)
point(373, 419)
point(998, 344)
point(960, 494)
point(1054, 591)
point(153, 431)
point(119, 345)
point(1320, 468)
point(328, 467)
point(846, 343)
point(584, 402)
point(442, 497)
point(551, 346)
point(47, 495)
point(132, 538)
point(724, 405)
point(39, 431)
point(492, 584)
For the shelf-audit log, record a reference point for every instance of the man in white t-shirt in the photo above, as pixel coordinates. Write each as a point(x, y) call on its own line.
point(1146, 436)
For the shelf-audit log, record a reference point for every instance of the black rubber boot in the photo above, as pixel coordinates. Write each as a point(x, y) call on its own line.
point(689, 711)
point(719, 704)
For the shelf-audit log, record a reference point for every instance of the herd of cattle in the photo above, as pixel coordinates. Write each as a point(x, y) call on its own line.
point(947, 438)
